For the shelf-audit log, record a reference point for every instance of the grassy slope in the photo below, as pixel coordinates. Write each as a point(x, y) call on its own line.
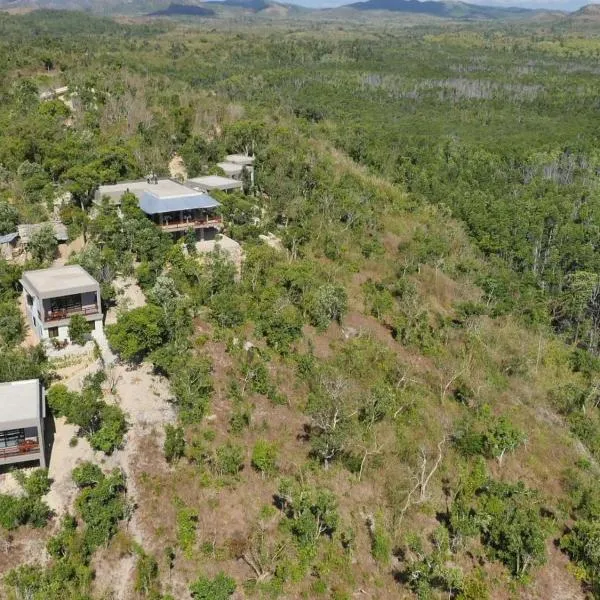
point(482, 351)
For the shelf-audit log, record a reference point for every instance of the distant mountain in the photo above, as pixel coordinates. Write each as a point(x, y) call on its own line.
point(590, 12)
point(267, 7)
point(174, 10)
point(253, 5)
point(447, 9)
point(444, 9)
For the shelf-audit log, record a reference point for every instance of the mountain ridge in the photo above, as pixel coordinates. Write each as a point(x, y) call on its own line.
point(445, 9)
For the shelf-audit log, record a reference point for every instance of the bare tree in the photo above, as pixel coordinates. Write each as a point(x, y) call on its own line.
point(374, 450)
point(262, 554)
point(421, 478)
point(447, 379)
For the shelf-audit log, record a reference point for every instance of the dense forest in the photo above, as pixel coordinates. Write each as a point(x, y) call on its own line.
point(400, 398)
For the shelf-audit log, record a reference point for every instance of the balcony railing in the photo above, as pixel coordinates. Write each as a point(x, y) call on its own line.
point(22, 448)
point(64, 313)
point(184, 225)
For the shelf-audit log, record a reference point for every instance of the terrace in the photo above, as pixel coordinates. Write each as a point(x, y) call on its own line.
point(21, 450)
point(177, 222)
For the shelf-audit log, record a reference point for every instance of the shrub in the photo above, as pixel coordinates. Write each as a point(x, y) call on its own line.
point(87, 474)
point(187, 521)
point(146, 574)
point(30, 509)
point(174, 445)
point(20, 511)
point(508, 520)
point(264, 457)
point(101, 505)
point(229, 459)
point(12, 324)
point(488, 436)
point(381, 545)
point(137, 332)
point(239, 420)
point(582, 544)
point(311, 512)
point(79, 329)
point(60, 399)
point(103, 424)
point(112, 430)
point(219, 588)
point(328, 303)
point(37, 484)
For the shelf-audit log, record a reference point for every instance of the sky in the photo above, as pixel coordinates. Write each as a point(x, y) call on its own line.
point(567, 5)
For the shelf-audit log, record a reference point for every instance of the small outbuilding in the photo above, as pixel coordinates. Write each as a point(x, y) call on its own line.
point(8, 245)
point(240, 159)
point(26, 231)
point(215, 182)
point(232, 170)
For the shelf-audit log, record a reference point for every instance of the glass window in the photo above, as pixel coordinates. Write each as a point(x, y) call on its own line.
point(11, 437)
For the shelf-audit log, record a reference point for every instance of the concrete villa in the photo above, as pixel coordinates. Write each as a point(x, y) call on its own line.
point(209, 183)
point(173, 207)
point(22, 413)
point(52, 296)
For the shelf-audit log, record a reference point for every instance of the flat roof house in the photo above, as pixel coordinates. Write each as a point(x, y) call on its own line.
point(22, 413)
point(232, 170)
point(215, 182)
point(240, 159)
point(173, 207)
point(52, 296)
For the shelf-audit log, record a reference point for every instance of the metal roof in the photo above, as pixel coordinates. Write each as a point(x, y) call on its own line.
point(152, 204)
point(9, 237)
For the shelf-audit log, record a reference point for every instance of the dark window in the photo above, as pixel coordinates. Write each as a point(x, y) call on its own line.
point(66, 303)
point(11, 437)
point(52, 332)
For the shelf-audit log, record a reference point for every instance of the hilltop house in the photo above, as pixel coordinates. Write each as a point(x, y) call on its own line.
point(173, 207)
point(22, 413)
point(52, 296)
point(240, 159)
point(235, 164)
point(231, 169)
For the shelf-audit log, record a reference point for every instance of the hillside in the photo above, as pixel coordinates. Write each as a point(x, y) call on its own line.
point(383, 381)
point(590, 12)
point(183, 9)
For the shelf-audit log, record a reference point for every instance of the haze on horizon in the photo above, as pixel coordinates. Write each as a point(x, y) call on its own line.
point(566, 5)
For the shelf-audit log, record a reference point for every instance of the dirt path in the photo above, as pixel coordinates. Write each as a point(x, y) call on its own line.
point(129, 295)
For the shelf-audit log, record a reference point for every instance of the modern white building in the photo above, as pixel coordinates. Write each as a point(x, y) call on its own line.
point(232, 170)
point(240, 159)
point(22, 414)
point(52, 296)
